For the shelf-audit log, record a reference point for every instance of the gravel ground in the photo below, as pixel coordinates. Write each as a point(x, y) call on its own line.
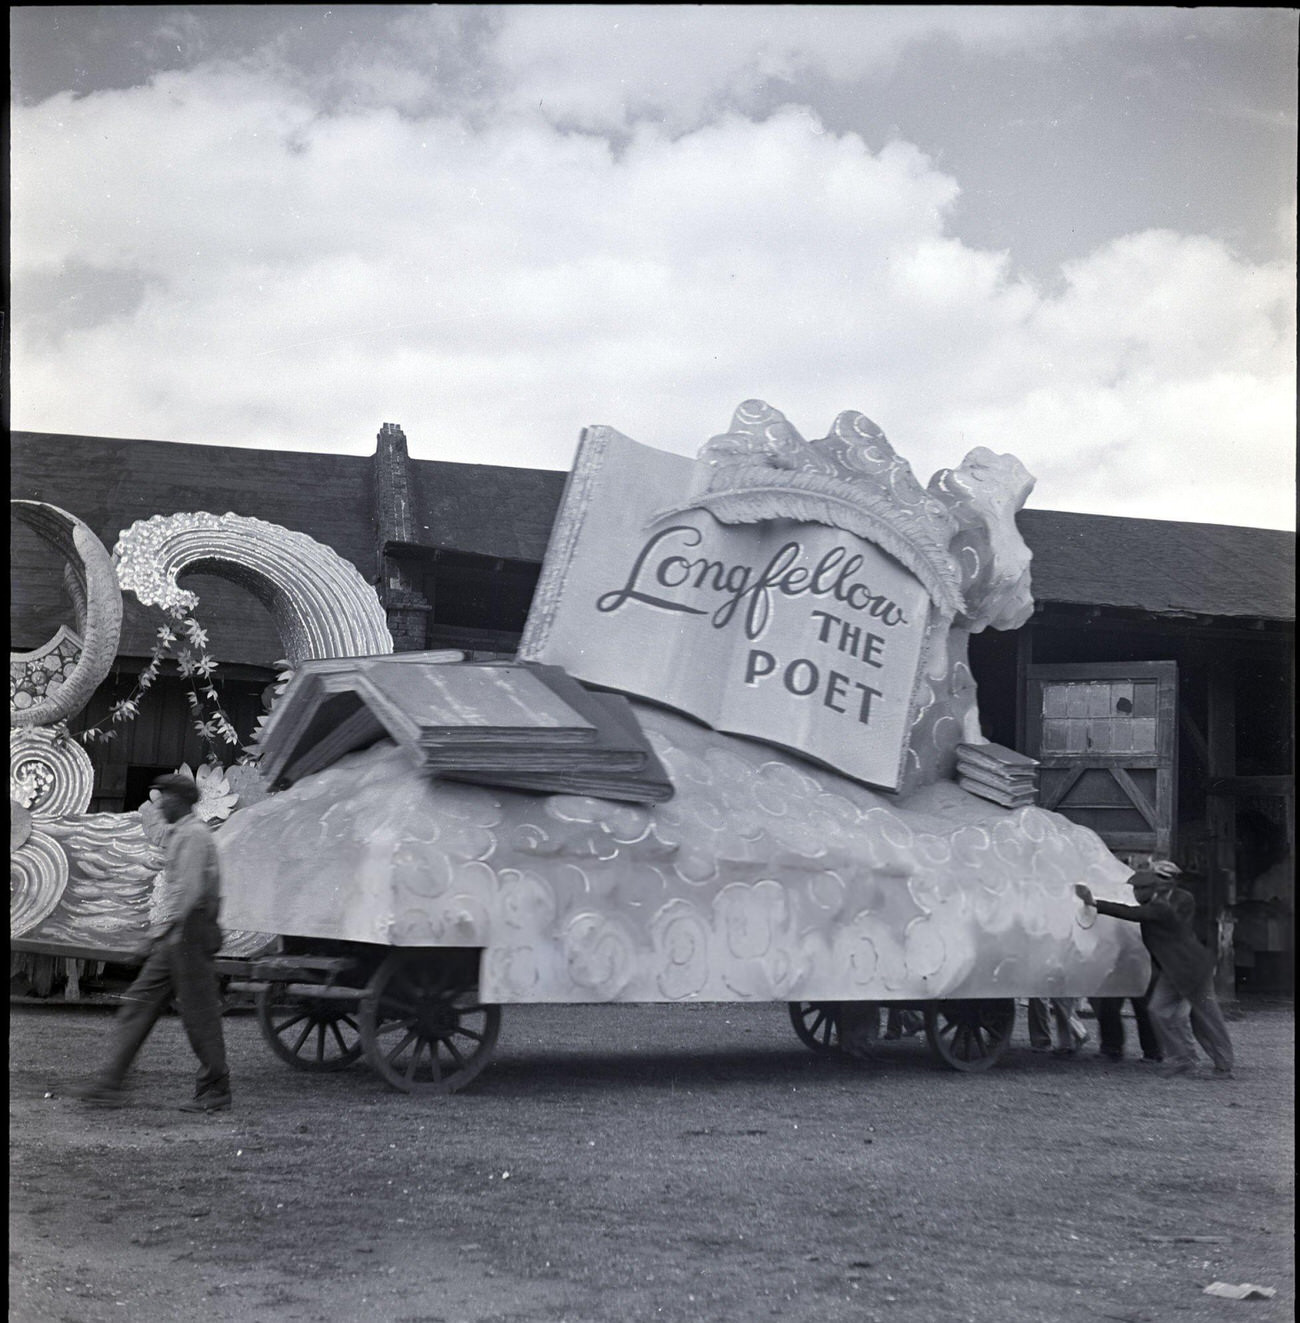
point(619, 1164)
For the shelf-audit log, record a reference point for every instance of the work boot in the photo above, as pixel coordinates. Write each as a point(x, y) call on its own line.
point(208, 1102)
point(1169, 1069)
point(214, 1097)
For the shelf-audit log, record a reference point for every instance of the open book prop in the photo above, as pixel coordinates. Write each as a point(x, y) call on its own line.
point(529, 727)
point(789, 620)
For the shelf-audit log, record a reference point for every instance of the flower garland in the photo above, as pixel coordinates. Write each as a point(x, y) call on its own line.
point(284, 673)
point(186, 643)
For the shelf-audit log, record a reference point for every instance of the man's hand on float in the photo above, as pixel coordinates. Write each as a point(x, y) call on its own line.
point(1083, 894)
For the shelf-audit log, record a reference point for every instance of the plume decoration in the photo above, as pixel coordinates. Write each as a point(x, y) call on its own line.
point(851, 479)
point(762, 493)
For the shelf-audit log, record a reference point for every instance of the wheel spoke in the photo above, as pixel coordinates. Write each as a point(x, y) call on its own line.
point(414, 1060)
point(394, 1024)
point(961, 1041)
point(391, 1057)
point(282, 1026)
point(302, 1037)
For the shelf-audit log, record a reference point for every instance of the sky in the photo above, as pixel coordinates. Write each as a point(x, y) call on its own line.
point(1066, 233)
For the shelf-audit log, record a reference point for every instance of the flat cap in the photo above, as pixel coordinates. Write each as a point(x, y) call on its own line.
point(175, 783)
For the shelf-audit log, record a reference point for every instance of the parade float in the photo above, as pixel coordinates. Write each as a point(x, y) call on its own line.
point(737, 758)
point(786, 623)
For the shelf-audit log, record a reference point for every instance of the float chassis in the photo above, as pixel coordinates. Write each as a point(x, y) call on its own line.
point(415, 1017)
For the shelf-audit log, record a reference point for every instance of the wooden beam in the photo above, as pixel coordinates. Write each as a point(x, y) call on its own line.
point(1024, 660)
point(1140, 801)
point(1221, 819)
point(1239, 787)
point(1063, 787)
point(1274, 635)
point(1193, 732)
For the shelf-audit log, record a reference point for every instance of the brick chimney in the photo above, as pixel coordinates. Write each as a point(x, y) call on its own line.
point(399, 589)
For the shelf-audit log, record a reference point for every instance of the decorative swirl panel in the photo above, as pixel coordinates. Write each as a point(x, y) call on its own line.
point(763, 879)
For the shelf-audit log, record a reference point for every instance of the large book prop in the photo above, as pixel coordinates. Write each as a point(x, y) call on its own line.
point(787, 622)
point(527, 727)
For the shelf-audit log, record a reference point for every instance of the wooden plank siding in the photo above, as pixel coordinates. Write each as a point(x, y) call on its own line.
point(110, 483)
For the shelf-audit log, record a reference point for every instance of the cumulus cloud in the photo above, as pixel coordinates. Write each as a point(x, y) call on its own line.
point(609, 67)
point(269, 274)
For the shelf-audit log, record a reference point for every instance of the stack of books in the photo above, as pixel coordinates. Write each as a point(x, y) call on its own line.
point(997, 773)
point(511, 724)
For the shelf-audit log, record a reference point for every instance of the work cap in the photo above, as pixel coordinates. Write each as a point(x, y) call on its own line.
point(174, 783)
point(1165, 868)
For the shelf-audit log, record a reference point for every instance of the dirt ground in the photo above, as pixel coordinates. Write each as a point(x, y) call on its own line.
point(621, 1164)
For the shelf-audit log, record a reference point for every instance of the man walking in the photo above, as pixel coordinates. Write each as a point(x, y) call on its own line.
point(180, 959)
point(1182, 1005)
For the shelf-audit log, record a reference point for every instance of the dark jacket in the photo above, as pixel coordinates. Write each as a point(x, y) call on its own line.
point(1167, 933)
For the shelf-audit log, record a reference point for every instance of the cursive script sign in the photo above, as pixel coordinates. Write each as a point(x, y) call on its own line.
point(799, 634)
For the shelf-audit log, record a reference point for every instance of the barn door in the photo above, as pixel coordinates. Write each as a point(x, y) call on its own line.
point(1104, 734)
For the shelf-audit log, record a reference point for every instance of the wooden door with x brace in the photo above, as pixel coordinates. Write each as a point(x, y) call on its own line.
point(1105, 735)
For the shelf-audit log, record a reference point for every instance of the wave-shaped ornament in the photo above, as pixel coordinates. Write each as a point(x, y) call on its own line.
point(89, 880)
point(50, 775)
point(38, 876)
point(850, 479)
point(321, 605)
point(53, 683)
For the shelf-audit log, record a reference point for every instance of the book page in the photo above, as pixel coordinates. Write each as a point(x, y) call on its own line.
point(800, 634)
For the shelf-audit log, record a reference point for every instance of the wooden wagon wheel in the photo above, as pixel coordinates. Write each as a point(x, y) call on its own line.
point(969, 1035)
point(308, 1032)
point(422, 1025)
point(817, 1023)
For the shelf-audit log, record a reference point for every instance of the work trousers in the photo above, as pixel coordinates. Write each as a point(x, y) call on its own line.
point(1110, 1026)
point(1182, 1021)
point(1046, 1013)
point(179, 965)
